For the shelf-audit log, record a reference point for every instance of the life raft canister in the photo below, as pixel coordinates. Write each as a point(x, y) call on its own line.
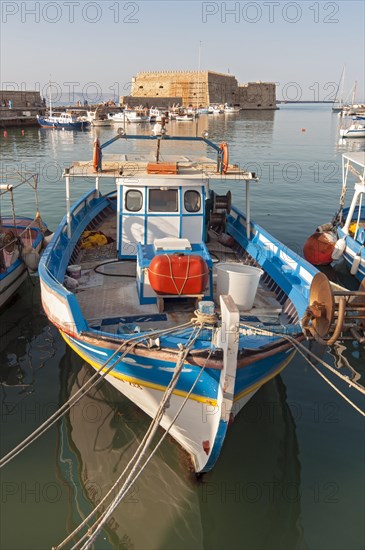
point(225, 156)
point(178, 274)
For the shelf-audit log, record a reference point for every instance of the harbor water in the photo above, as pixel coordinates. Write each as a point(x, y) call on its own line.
point(291, 473)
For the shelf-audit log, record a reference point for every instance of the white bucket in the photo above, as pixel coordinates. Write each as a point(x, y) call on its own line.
point(240, 281)
point(74, 271)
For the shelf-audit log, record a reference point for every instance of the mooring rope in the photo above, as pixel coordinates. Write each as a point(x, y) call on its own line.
point(95, 379)
point(304, 352)
point(104, 517)
point(142, 448)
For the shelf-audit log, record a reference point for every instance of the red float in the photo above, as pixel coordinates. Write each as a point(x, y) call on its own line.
point(318, 248)
point(178, 274)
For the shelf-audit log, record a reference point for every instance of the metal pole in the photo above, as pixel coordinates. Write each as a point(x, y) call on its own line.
point(248, 219)
point(68, 203)
point(97, 185)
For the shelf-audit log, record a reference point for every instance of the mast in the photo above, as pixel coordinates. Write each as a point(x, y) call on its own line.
point(354, 93)
point(50, 98)
point(342, 85)
point(199, 65)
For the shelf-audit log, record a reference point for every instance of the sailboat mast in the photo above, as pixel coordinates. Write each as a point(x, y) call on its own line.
point(199, 65)
point(342, 85)
point(354, 93)
point(50, 98)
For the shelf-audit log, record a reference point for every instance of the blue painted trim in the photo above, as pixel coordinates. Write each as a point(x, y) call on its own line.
point(55, 259)
point(217, 446)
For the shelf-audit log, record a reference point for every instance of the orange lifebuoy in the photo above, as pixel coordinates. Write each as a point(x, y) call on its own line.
point(96, 155)
point(225, 157)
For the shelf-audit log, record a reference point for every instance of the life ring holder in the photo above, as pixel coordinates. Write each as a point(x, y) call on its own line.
point(224, 157)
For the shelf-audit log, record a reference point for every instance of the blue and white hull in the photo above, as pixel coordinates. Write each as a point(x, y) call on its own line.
point(45, 122)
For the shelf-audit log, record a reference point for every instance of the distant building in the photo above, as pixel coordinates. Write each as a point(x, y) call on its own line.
point(198, 89)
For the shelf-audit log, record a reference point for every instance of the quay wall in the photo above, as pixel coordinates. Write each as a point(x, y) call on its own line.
point(20, 108)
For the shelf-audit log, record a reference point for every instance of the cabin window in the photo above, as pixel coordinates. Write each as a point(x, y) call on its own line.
point(192, 201)
point(163, 200)
point(133, 200)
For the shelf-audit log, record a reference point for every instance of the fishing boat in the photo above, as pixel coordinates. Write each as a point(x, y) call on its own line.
point(21, 239)
point(98, 118)
point(178, 298)
point(62, 121)
point(344, 236)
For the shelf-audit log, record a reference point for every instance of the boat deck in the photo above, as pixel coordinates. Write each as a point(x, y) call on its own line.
point(108, 297)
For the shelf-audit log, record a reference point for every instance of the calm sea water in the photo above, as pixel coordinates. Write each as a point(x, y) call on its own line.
point(291, 475)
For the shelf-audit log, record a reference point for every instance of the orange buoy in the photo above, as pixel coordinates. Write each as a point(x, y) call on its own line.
point(22, 132)
point(318, 248)
point(225, 156)
point(97, 155)
point(5, 134)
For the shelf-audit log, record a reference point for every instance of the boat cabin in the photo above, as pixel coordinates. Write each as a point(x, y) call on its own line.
point(162, 214)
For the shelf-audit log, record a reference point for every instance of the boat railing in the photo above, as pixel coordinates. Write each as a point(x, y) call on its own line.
point(57, 255)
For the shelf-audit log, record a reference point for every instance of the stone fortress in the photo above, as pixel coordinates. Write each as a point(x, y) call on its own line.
point(198, 89)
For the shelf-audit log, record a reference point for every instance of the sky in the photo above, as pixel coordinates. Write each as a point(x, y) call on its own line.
point(93, 47)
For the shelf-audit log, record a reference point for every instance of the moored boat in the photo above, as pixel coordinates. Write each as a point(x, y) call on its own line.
point(346, 231)
point(21, 239)
point(62, 121)
point(355, 130)
point(147, 253)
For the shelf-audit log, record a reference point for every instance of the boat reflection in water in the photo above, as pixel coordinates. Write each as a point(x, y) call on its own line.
point(253, 491)
point(26, 344)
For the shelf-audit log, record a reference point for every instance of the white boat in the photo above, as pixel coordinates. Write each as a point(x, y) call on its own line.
point(215, 109)
point(117, 118)
point(156, 115)
point(187, 117)
point(231, 109)
point(21, 239)
point(136, 115)
point(347, 229)
point(131, 115)
point(355, 130)
point(98, 118)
